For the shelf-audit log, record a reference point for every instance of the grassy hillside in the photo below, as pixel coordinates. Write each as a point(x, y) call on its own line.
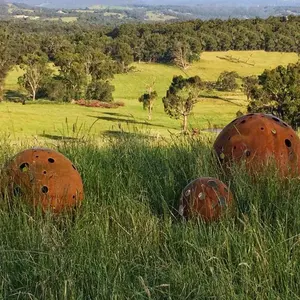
point(209, 67)
point(215, 109)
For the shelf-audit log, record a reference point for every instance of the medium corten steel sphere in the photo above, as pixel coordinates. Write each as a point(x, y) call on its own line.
point(207, 198)
point(258, 139)
point(45, 178)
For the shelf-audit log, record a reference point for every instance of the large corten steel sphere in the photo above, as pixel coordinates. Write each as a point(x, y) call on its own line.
point(45, 178)
point(207, 198)
point(258, 139)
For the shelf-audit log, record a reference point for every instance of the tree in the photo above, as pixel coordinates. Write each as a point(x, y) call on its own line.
point(227, 81)
point(181, 54)
point(36, 70)
point(73, 74)
point(185, 52)
point(181, 97)
point(8, 56)
point(278, 93)
point(100, 90)
point(148, 99)
point(249, 83)
point(122, 53)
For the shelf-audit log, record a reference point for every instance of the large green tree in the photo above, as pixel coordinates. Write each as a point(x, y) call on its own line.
point(181, 98)
point(8, 55)
point(72, 74)
point(36, 71)
point(278, 93)
point(100, 90)
point(227, 81)
point(248, 84)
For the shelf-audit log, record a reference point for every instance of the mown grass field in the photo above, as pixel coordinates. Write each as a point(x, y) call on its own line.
point(126, 242)
point(215, 109)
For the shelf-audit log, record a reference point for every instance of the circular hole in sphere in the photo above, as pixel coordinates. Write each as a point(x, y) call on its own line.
point(212, 183)
point(17, 191)
point(45, 189)
point(51, 160)
point(248, 153)
point(24, 167)
point(288, 143)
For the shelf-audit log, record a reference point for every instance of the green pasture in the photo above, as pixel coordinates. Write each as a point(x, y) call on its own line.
point(214, 109)
point(113, 14)
point(63, 19)
point(117, 7)
point(209, 68)
point(158, 17)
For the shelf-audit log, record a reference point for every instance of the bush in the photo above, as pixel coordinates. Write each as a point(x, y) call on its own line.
point(227, 81)
point(100, 90)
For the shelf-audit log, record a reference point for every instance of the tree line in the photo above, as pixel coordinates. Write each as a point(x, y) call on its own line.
point(63, 61)
point(275, 92)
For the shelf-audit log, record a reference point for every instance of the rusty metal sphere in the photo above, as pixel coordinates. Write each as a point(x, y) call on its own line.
point(207, 198)
point(45, 178)
point(258, 139)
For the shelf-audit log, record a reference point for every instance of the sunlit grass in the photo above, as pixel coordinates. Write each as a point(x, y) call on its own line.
point(214, 109)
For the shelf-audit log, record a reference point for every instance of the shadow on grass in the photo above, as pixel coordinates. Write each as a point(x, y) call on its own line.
point(14, 96)
point(229, 100)
point(118, 115)
point(127, 121)
point(58, 137)
point(125, 135)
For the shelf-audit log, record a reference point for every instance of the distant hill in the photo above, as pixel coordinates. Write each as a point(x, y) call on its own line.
point(86, 3)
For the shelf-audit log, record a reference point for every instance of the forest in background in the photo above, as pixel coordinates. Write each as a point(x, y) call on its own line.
point(77, 61)
point(118, 14)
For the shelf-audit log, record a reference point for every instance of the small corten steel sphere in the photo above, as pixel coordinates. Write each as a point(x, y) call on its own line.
point(258, 139)
point(207, 197)
point(45, 178)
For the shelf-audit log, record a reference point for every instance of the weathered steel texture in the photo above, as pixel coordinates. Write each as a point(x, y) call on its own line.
point(259, 139)
point(207, 197)
point(45, 178)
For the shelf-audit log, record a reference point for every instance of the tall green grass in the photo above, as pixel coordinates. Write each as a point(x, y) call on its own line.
point(126, 241)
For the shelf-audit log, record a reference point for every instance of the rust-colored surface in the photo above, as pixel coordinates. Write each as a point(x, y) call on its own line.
point(258, 139)
point(45, 177)
point(207, 197)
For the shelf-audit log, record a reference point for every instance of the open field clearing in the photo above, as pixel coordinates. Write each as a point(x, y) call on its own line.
point(158, 17)
point(55, 120)
point(64, 19)
point(214, 109)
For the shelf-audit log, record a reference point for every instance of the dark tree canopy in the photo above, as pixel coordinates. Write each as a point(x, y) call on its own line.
point(86, 52)
point(181, 98)
point(278, 93)
point(227, 81)
point(148, 100)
